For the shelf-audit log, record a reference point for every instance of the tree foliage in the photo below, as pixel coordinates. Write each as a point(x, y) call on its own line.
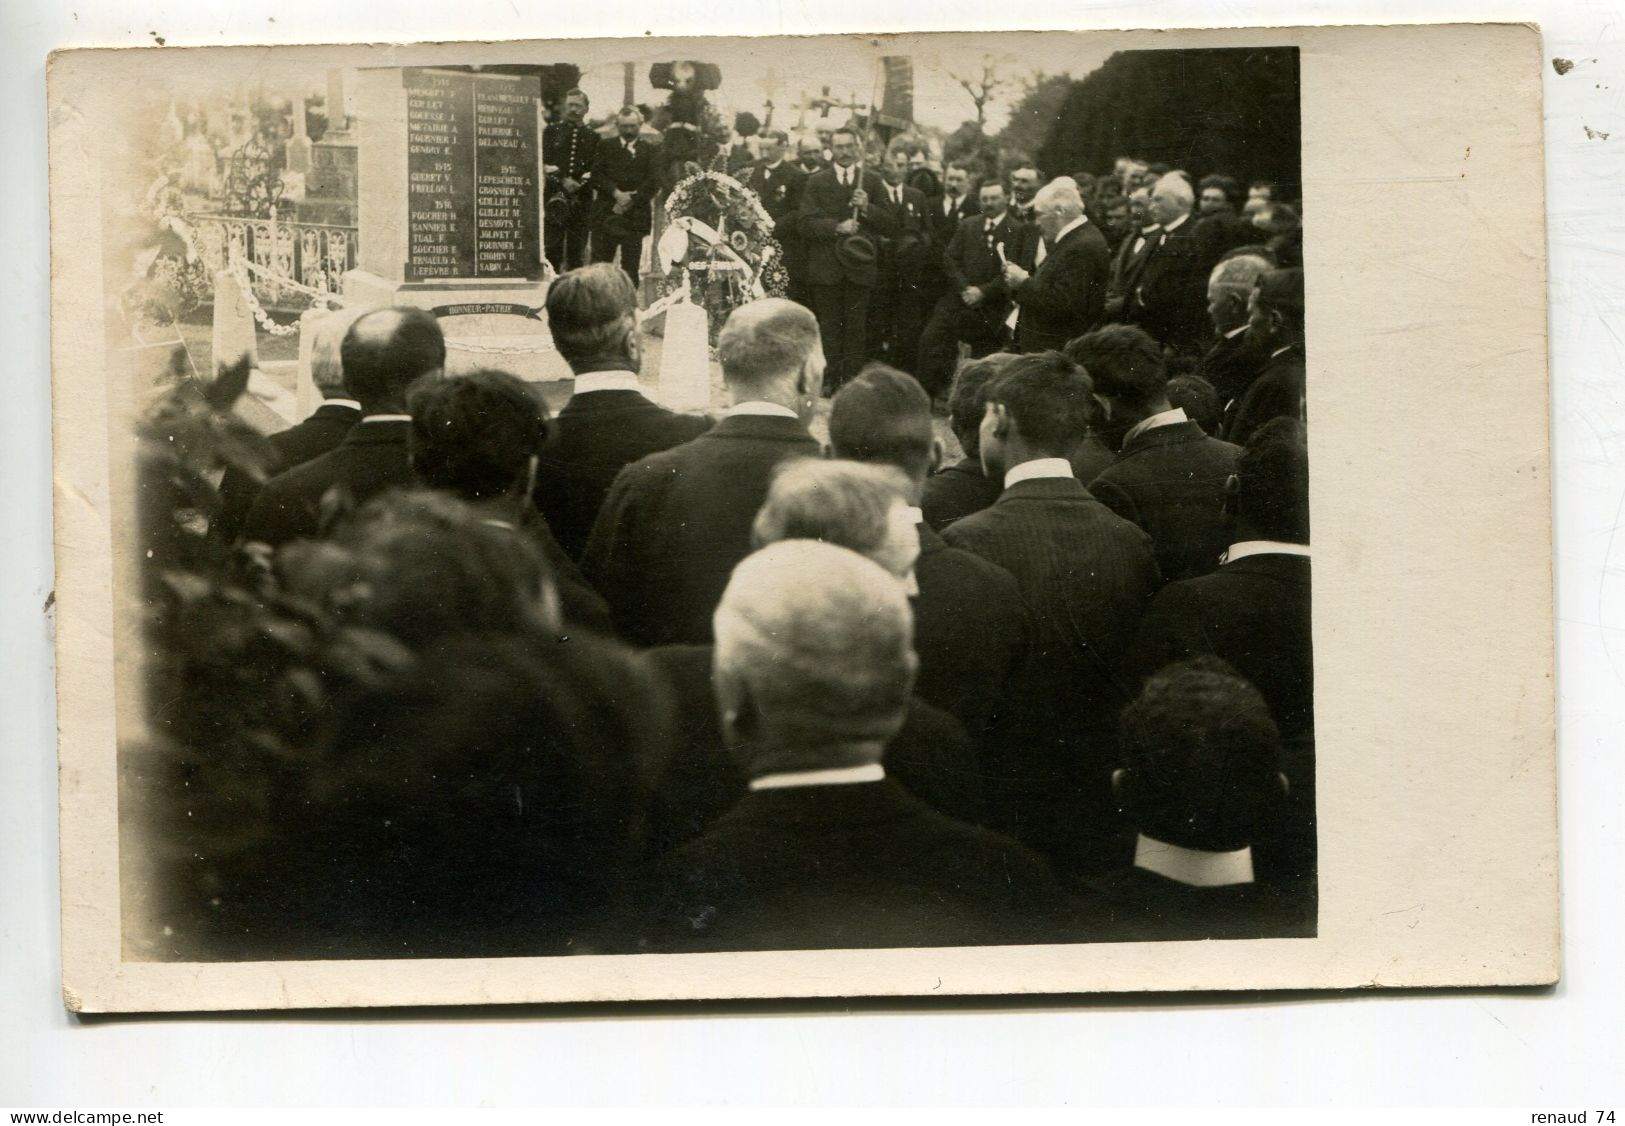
point(1231, 110)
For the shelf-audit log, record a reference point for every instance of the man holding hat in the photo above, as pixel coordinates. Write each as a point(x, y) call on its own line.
point(841, 221)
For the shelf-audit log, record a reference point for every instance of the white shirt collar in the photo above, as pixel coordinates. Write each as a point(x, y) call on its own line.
point(1069, 228)
point(1235, 332)
point(1192, 866)
point(759, 407)
point(1262, 547)
point(839, 776)
point(1038, 468)
point(1176, 224)
point(773, 166)
point(606, 381)
point(1278, 351)
point(351, 403)
point(387, 418)
point(1162, 418)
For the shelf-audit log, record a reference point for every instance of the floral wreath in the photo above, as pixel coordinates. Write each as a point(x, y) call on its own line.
point(730, 256)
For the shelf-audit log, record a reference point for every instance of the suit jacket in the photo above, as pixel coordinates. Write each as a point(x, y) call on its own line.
point(1169, 297)
point(594, 437)
point(850, 866)
point(1231, 365)
point(1065, 295)
point(968, 260)
point(371, 458)
point(1278, 392)
point(824, 204)
point(1134, 905)
point(940, 228)
point(614, 169)
point(1127, 263)
point(956, 491)
point(780, 192)
point(1255, 615)
point(697, 780)
point(296, 445)
point(969, 631)
point(1086, 575)
point(1170, 480)
point(903, 252)
point(675, 523)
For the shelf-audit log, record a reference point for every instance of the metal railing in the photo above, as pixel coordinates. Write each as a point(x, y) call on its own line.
point(313, 254)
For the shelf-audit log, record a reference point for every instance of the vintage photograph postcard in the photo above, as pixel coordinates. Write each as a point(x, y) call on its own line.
point(612, 520)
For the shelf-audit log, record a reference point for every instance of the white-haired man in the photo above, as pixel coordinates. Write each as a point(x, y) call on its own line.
point(1236, 358)
point(675, 522)
point(813, 669)
point(1063, 295)
point(1168, 297)
point(322, 431)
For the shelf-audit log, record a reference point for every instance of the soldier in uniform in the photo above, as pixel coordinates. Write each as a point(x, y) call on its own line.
point(569, 149)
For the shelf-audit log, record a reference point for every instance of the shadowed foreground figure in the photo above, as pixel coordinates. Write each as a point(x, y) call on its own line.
point(1201, 783)
point(825, 851)
point(383, 354)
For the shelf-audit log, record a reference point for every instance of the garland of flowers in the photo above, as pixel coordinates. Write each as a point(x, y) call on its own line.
point(743, 262)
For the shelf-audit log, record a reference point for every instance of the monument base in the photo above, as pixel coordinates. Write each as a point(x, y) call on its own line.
point(486, 323)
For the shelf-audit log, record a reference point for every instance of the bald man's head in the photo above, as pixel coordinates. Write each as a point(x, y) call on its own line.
point(814, 657)
point(770, 350)
point(386, 351)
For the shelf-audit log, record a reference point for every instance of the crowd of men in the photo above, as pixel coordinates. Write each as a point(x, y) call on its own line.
point(913, 268)
point(661, 682)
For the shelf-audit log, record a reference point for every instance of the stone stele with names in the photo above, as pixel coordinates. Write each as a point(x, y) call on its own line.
point(473, 200)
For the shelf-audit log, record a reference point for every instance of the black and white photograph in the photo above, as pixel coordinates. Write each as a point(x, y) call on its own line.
point(578, 502)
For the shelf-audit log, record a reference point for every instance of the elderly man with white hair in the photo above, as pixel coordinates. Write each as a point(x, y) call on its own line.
point(1168, 297)
point(1064, 294)
point(1235, 359)
point(814, 665)
point(323, 430)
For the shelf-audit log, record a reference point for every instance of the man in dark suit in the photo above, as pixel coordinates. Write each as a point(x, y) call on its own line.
point(1201, 784)
point(1086, 575)
point(1253, 612)
point(943, 214)
point(569, 149)
point(383, 354)
point(1061, 296)
point(1276, 324)
point(623, 183)
point(825, 851)
point(964, 487)
point(675, 523)
point(608, 423)
point(1167, 298)
point(1130, 256)
point(1234, 360)
point(974, 309)
point(778, 184)
point(1025, 180)
point(1169, 477)
point(895, 315)
point(969, 622)
point(838, 205)
point(299, 443)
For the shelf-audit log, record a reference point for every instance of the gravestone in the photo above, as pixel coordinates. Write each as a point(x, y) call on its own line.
point(450, 209)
